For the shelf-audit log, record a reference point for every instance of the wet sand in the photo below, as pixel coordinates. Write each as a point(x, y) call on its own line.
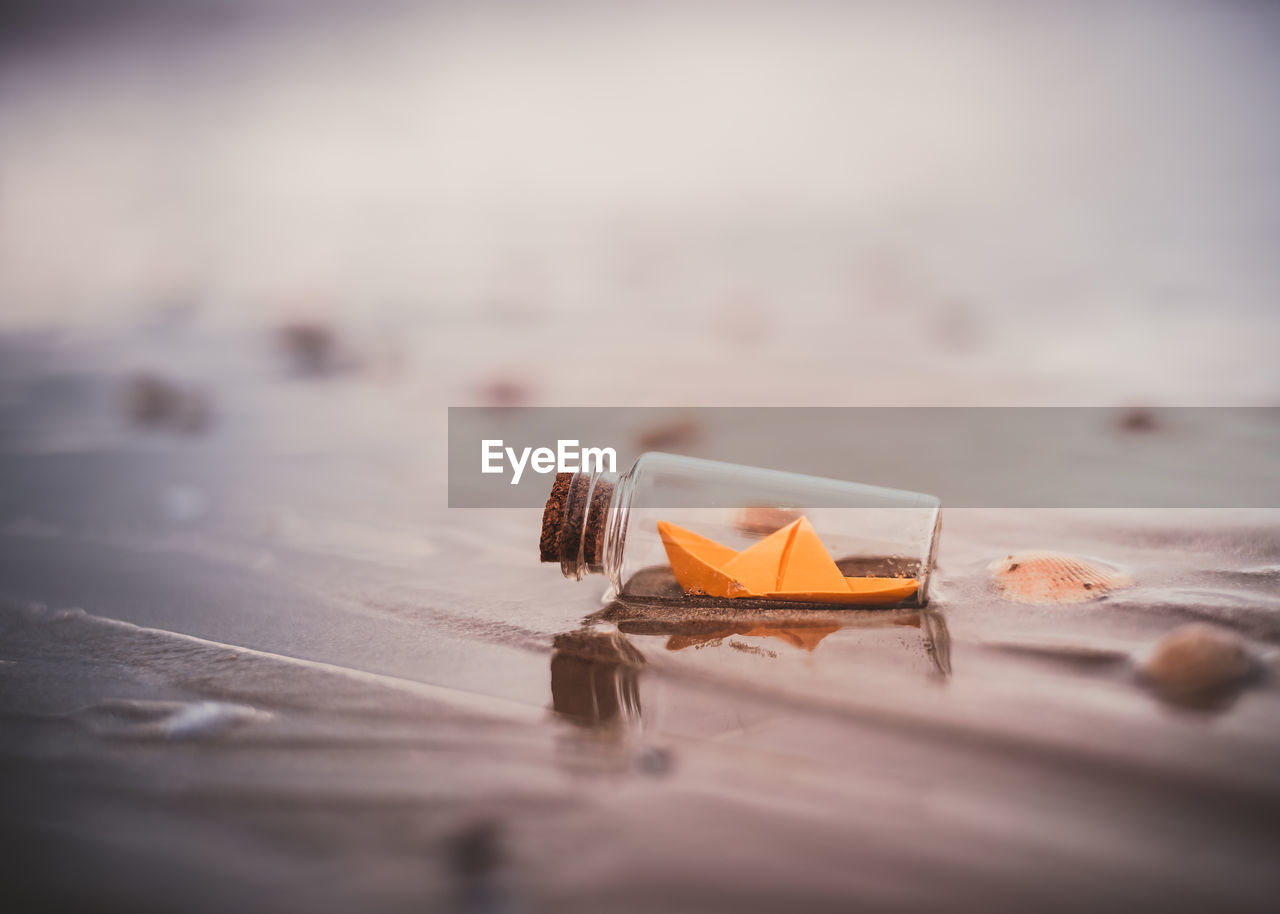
point(251, 253)
point(262, 666)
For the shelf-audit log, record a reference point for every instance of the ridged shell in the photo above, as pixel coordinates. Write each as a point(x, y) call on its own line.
point(1054, 577)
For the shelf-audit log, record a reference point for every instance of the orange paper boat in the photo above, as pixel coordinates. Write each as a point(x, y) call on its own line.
point(788, 564)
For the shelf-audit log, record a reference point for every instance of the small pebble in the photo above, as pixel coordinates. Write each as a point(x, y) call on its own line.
point(505, 393)
point(654, 761)
point(313, 348)
point(477, 849)
point(676, 435)
point(1197, 662)
point(762, 520)
point(1138, 420)
point(155, 402)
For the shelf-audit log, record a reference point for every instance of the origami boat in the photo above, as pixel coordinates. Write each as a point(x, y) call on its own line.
point(789, 564)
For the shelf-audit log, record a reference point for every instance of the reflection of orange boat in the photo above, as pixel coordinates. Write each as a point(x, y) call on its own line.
point(596, 670)
point(789, 564)
point(687, 626)
point(804, 637)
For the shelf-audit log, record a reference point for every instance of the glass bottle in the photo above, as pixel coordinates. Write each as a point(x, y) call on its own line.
point(622, 527)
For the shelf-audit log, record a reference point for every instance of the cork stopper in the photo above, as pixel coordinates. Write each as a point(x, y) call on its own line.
point(553, 517)
point(573, 522)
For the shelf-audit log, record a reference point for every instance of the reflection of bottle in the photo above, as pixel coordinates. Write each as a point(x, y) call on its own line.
point(594, 678)
point(800, 629)
point(595, 523)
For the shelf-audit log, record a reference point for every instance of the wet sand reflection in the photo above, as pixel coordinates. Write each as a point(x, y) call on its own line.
point(595, 678)
point(706, 625)
point(595, 670)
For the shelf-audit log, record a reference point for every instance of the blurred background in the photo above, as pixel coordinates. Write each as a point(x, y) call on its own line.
point(824, 203)
point(251, 251)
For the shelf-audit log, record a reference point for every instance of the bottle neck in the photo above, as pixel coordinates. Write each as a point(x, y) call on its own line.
point(579, 524)
point(615, 533)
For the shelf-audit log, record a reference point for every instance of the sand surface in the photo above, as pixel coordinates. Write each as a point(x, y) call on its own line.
point(263, 665)
point(250, 660)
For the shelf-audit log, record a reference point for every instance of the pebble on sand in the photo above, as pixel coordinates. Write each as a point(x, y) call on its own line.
point(152, 401)
point(675, 435)
point(313, 348)
point(1138, 419)
point(1054, 577)
point(1197, 662)
point(759, 520)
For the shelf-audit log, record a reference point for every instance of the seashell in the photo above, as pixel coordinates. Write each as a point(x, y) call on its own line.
point(1197, 662)
point(1054, 577)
